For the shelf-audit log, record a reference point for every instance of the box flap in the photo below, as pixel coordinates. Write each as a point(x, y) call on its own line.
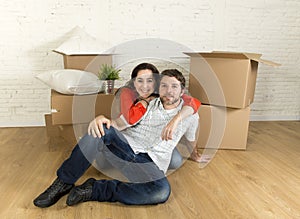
point(232, 55)
point(229, 55)
point(256, 57)
point(267, 62)
point(81, 43)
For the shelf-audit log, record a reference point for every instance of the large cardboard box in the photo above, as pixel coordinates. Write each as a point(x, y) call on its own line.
point(86, 62)
point(224, 78)
point(75, 109)
point(223, 128)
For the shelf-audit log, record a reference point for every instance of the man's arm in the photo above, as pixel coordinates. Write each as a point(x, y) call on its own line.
point(170, 128)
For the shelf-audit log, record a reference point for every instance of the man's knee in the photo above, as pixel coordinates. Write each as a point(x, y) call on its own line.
point(90, 139)
point(163, 193)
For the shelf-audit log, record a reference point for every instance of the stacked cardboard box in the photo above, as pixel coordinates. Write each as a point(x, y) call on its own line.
point(225, 84)
point(71, 113)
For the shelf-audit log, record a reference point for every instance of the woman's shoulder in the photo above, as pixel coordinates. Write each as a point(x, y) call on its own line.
point(126, 89)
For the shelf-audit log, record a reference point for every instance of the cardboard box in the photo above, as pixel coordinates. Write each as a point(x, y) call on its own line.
point(86, 62)
point(224, 78)
point(76, 109)
point(223, 128)
point(69, 133)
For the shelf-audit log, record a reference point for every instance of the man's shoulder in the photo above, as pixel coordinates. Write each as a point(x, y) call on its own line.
point(155, 101)
point(193, 117)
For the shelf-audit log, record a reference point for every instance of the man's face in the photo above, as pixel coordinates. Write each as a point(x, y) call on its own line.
point(170, 92)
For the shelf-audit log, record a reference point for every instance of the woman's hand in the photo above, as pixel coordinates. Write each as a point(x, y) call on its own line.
point(96, 126)
point(151, 97)
point(168, 130)
point(145, 101)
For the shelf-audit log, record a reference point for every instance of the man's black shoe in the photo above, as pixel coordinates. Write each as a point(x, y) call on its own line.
point(49, 197)
point(81, 193)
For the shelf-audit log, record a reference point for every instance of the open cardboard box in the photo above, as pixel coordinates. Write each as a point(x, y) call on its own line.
point(224, 78)
point(223, 128)
point(86, 62)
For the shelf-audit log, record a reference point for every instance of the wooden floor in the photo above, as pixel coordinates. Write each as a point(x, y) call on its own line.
point(262, 182)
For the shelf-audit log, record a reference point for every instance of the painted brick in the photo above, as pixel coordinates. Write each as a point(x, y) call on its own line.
point(31, 29)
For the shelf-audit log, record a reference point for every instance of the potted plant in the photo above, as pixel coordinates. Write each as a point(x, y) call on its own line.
point(108, 74)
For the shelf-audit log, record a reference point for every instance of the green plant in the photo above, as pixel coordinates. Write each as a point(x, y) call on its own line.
point(108, 72)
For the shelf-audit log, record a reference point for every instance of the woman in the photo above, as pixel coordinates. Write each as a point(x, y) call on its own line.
point(134, 98)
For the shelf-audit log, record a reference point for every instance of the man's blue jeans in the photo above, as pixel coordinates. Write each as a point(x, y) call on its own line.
point(147, 184)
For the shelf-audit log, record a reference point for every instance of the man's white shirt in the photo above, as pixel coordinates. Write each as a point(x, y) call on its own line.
point(145, 137)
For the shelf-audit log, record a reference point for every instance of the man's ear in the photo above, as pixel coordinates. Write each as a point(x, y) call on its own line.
point(182, 91)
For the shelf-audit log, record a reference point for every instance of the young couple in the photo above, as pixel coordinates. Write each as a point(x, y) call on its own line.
point(134, 99)
point(143, 152)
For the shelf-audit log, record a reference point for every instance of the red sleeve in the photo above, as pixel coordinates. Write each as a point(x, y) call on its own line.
point(132, 113)
point(191, 101)
point(136, 112)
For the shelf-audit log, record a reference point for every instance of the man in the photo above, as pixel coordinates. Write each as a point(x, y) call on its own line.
point(138, 151)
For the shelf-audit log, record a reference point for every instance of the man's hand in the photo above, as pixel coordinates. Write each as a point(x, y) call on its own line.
point(168, 130)
point(199, 158)
point(195, 156)
point(96, 126)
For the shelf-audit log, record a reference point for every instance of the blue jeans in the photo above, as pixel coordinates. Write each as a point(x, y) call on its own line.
point(147, 184)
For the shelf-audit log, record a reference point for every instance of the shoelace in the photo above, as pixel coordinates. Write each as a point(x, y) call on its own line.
point(54, 188)
point(87, 193)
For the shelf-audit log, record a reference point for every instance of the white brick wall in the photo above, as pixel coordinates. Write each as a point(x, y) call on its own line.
point(31, 29)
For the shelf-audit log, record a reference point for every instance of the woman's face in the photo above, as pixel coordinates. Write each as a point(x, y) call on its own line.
point(144, 83)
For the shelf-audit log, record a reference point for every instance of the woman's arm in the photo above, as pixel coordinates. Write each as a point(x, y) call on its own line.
point(191, 102)
point(131, 112)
